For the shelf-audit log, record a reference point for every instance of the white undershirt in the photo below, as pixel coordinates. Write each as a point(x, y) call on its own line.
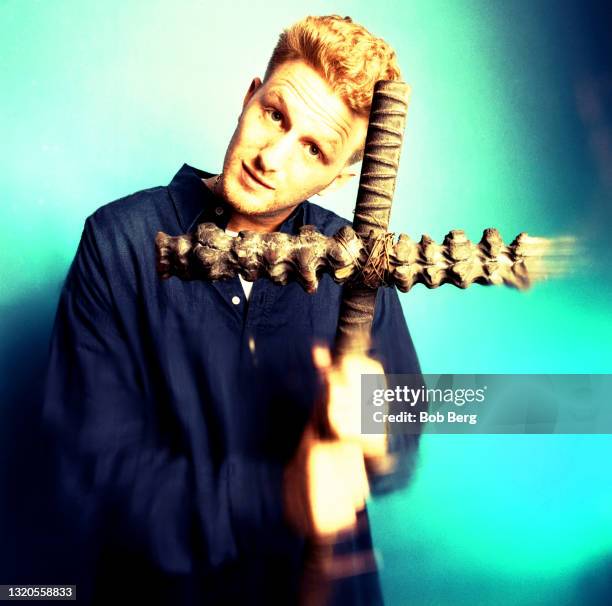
point(246, 286)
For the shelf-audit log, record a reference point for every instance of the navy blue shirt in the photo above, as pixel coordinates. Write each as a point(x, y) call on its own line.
point(176, 405)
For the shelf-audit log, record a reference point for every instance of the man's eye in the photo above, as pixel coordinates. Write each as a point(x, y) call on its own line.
point(276, 115)
point(313, 150)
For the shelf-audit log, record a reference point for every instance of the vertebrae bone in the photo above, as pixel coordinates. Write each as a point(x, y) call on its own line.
point(374, 261)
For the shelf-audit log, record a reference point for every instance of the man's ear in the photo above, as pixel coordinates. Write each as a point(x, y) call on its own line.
point(343, 177)
point(253, 88)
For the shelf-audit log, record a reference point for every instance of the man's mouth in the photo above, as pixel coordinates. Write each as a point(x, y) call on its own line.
point(253, 176)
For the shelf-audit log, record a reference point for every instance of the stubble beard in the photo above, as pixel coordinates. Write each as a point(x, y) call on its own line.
point(249, 203)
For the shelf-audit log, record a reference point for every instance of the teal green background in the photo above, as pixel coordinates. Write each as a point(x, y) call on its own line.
point(508, 127)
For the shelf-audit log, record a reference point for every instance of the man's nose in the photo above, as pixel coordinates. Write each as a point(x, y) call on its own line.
point(272, 155)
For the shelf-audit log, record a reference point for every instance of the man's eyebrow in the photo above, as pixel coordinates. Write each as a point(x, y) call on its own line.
point(322, 141)
point(278, 96)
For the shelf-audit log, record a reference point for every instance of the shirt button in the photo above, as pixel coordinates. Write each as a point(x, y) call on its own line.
point(236, 300)
point(219, 210)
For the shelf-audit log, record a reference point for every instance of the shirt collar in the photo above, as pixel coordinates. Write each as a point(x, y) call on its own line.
point(195, 203)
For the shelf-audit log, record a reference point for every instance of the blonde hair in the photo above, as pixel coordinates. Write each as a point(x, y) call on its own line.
point(346, 54)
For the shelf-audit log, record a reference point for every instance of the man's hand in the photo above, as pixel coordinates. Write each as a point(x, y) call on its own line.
point(326, 483)
point(343, 382)
point(325, 486)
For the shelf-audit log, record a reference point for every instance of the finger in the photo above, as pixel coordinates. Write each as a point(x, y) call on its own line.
point(321, 357)
point(361, 475)
point(340, 566)
point(365, 483)
point(353, 474)
point(359, 364)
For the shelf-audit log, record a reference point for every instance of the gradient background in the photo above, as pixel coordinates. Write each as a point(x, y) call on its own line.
point(509, 126)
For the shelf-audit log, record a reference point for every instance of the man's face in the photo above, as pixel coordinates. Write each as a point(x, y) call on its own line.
point(293, 139)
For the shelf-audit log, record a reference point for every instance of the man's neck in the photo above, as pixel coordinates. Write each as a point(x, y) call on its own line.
point(239, 222)
point(261, 223)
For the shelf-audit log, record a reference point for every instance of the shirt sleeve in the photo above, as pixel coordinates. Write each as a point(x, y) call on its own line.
point(113, 468)
point(392, 345)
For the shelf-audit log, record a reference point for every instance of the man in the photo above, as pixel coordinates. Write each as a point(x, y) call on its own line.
point(181, 409)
